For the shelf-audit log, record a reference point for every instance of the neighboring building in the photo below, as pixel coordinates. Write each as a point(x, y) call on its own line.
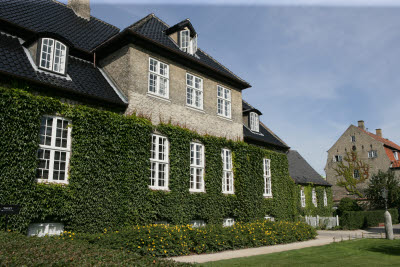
point(315, 195)
point(150, 68)
point(378, 152)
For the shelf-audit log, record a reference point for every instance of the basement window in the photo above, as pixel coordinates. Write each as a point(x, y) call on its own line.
point(54, 150)
point(228, 222)
point(53, 55)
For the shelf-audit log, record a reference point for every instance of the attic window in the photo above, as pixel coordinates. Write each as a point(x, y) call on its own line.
point(254, 122)
point(53, 55)
point(188, 44)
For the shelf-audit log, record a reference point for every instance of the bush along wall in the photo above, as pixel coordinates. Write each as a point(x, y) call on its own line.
point(310, 209)
point(110, 166)
point(364, 219)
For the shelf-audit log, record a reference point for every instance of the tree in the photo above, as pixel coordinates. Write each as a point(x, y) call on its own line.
point(380, 181)
point(347, 204)
point(351, 172)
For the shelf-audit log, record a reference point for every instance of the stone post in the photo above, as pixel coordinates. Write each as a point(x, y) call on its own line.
point(388, 226)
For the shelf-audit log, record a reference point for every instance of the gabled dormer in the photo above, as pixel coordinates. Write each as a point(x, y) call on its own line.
point(184, 35)
point(251, 118)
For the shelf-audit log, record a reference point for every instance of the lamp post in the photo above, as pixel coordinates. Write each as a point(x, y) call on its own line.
point(388, 217)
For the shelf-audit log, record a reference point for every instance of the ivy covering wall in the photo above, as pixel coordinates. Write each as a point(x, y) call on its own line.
point(110, 169)
point(310, 209)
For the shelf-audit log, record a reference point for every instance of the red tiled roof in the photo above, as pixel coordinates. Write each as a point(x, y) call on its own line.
point(383, 140)
point(389, 153)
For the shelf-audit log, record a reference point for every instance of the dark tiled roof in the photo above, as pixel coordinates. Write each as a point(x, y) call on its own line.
point(265, 135)
point(85, 80)
point(54, 17)
point(301, 172)
point(153, 28)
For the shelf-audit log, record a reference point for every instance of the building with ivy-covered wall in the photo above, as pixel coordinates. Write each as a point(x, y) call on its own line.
point(313, 193)
point(109, 128)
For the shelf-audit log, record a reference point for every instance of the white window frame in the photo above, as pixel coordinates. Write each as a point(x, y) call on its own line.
point(396, 155)
point(267, 178)
point(193, 45)
point(196, 149)
point(325, 198)
point(228, 222)
point(156, 162)
point(314, 197)
point(224, 100)
point(53, 149)
point(51, 56)
point(337, 158)
point(228, 186)
point(302, 198)
point(157, 75)
point(192, 92)
point(372, 154)
point(254, 122)
point(197, 223)
point(185, 47)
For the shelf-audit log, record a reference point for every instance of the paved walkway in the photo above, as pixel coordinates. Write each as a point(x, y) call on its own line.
point(324, 237)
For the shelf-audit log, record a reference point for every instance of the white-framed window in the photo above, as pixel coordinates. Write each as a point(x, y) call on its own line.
point(267, 178)
point(53, 55)
point(353, 138)
point(325, 199)
point(269, 218)
point(194, 91)
point(254, 122)
point(224, 102)
point(337, 158)
point(194, 45)
point(185, 40)
point(302, 198)
point(159, 162)
point(228, 222)
point(196, 167)
point(197, 223)
point(396, 155)
point(158, 78)
point(43, 229)
point(314, 197)
point(356, 174)
point(54, 150)
point(227, 177)
point(372, 154)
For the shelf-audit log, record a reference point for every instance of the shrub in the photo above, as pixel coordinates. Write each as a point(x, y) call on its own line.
point(347, 204)
point(380, 181)
point(364, 219)
point(19, 250)
point(163, 241)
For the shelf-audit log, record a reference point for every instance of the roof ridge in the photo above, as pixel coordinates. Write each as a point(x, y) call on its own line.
point(102, 21)
point(228, 70)
point(382, 140)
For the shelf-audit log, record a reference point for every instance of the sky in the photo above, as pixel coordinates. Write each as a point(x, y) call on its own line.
point(315, 66)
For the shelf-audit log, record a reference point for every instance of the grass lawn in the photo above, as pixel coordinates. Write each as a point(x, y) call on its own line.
point(20, 250)
point(364, 252)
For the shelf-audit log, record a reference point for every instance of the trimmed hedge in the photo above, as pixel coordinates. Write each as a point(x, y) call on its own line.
point(110, 166)
point(166, 241)
point(364, 219)
point(20, 250)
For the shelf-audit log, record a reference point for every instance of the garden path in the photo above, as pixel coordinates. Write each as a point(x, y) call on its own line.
point(324, 237)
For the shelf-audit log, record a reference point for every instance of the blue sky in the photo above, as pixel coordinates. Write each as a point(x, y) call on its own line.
point(315, 66)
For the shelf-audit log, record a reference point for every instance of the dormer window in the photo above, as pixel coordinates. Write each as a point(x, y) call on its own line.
point(53, 55)
point(188, 44)
point(254, 122)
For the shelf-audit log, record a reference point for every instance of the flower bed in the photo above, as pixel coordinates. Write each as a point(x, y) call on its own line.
point(165, 241)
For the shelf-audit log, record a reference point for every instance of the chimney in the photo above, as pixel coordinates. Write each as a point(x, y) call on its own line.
point(361, 125)
point(379, 132)
point(81, 8)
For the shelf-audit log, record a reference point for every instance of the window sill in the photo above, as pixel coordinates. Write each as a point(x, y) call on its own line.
point(196, 191)
point(195, 109)
point(159, 188)
point(267, 196)
point(224, 118)
point(228, 193)
point(45, 181)
point(159, 97)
